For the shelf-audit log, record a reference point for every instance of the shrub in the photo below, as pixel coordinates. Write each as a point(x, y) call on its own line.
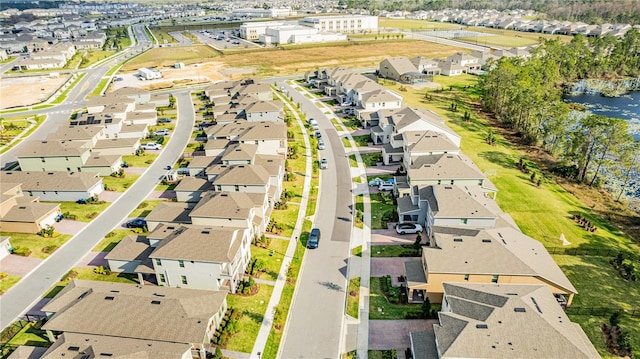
point(614, 319)
point(290, 177)
point(22, 251)
point(102, 270)
point(49, 249)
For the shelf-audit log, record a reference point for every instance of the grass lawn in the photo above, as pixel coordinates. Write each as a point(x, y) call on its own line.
point(371, 159)
point(518, 36)
point(273, 262)
point(144, 160)
point(7, 282)
point(119, 184)
point(380, 308)
point(107, 244)
point(253, 309)
point(394, 250)
point(346, 143)
point(87, 274)
point(352, 161)
point(145, 207)
point(94, 56)
point(357, 251)
point(29, 335)
point(362, 141)
point(587, 273)
point(381, 354)
point(382, 209)
point(167, 56)
point(287, 218)
point(351, 123)
point(101, 86)
point(64, 94)
point(359, 207)
point(352, 300)
point(543, 213)
point(36, 243)
point(83, 212)
point(162, 36)
point(407, 24)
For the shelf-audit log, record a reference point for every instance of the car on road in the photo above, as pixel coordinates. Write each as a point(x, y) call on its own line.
point(321, 144)
point(314, 238)
point(162, 132)
point(324, 164)
point(235, 42)
point(385, 186)
point(164, 120)
point(151, 146)
point(136, 223)
point(318, 134)
point(404, 228)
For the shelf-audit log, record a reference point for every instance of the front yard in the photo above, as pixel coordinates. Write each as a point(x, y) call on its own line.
point(82, 212)
point(381, 308)
point(253, 309)
point(382, 210)
point(38, 246)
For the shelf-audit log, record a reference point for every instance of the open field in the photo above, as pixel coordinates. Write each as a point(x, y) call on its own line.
point(162, 35)
point(167, 56)
point(13, 89)
point(409, 24)
point(541, 212)
point(519, 34)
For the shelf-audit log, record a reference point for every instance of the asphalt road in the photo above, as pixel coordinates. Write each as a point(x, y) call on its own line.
point(317, 311)
point(30, 289)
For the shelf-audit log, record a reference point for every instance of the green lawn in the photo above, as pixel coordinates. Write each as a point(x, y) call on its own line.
point(107, 244)
point(352, 300)
point(87, 274)
point(371, 159)
point(346, 143)
point(144, 160)
point(382, 209)
point(362, 141)
point(359, 207)
point(253, 309)
point(83, 212)
point(145, 207)
point(7, 282)
point(119, 184)
point(357, 251)
point(287, 218)
point(407, 24)
point(94, 56)
point(272, 256)
point(29, 335)
point(350, 123)
point(102, 85)
point(352, 161)
point(36, 243)
point(63, 95)
point(394, 250)
point(380, 308)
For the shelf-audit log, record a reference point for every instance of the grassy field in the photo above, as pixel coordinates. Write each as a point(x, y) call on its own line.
point(36, 243)
point(380, 308)
point(272, 256)
point(94, 56)
point(352, 300)
point(519, 35)
point(83, 212)
point(167, 56)
point(119, 184)
point(101, 86)
point(382, 209)
point(30, 335)
point(107, 244)
point(253, 309)
point(162, 36)
point(144, 160)
point(7, 281)
point(409, 24)
point(144, 208)
point(544, 212)
point(394, 250)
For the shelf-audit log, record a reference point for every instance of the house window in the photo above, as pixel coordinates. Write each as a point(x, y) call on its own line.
point(181, 263)
point(466, 277)
point(494, 278)
point(162, 278)
point(184, 279)
point(439, 181)
point(66, 158)
point(30, 193)
point(158, 261)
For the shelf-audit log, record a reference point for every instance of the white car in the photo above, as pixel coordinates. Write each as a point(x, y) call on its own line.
point(404, 228)
point(151, 146)
point(321, 144)
point(385, 186)
point(163, 132)
point(324, 164)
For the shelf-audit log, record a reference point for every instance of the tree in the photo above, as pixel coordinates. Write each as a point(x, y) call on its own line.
point(627, 167)
point(417, 243)
point(426, 308)
point(615, 137)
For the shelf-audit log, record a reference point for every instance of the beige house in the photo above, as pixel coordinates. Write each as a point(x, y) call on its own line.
point(117, 146)
point(191, 189)
point(400, 69)
point(235, 209)
point(501, 321)
point(89, 134)
point(181, 321)
point(168, 213)
point(54, 155)
point(269, 136)
point(500, 255)
point(20, 214)
point(55, 186)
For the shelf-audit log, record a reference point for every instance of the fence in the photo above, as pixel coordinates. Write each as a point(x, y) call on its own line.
point(12, 330)
point(592, 251)
point(601, 311)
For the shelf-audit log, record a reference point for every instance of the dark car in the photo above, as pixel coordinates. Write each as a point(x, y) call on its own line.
point(314, 238)
point(164, 120)
point(137, 223)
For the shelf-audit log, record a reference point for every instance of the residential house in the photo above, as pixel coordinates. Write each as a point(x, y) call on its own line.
point(87, 134)
point(54, 155)
point(487, 320)
point(243, 178)
point(138, 95)
point(5, 246)
point(199, 164)
point(55, 186)
point(235, 209)
point(191, 189)
point(181, 321)
point(450, 68)
point(103, 165)
point(271, 137)
point(499, 255)
point(400, 69)
point(110, 123)
point(263, 111)
point(426, 66)
point(20, 214)
point(117, 146)
point(169, 213)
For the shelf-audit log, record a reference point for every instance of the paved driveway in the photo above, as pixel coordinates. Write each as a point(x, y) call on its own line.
point(67, 226)
point(18, 265)
point(110, 196)
point(390, 266)
point(389, 236)
point(394, 334)
point(93, 259)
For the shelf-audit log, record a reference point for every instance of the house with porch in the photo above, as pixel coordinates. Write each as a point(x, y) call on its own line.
point(494, 255)
point(87, 315)
point(480, 320)
point(426, 66)
point(400, 69)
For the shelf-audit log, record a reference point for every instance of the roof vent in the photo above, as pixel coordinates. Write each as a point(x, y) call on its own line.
point(22, 207)
point(106, 354)
point(448, 187)
point(171, 227)
point(486, 241)
point(457, 239)
point(205, 232)
point(109, 297)
point(519, 310)
point(536, 304)
point(74, 348)
point(50, 173)
point(482, 326)
point(512, 293)
point(114, 291)
point(158, 295)
point(155, 302)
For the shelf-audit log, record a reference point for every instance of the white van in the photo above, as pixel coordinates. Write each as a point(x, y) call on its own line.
point(385, 186)
point(162, 132)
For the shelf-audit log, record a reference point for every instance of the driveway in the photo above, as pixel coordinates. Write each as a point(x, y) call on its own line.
point(389, 236)
point(390, 266)
point(110, 196)
point(67, 226)
point(93, 259)
point(18, 265)
point(394, 334)
point(157, 195)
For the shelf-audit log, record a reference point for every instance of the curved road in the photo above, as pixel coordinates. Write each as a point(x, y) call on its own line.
point(30, 289)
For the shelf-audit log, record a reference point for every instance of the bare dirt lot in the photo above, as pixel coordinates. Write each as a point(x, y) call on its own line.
point(28, 90)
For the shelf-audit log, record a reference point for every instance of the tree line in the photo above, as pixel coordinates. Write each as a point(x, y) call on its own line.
point(526, 95)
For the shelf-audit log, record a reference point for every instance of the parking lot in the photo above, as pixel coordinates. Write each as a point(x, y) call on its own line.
point(223, 39)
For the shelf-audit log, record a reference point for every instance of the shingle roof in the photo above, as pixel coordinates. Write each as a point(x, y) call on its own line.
point(52, 180)
point(249, 175)
point(30, 212)
point(240, 152)
point(199, 243)
point(177, 315)
point(444, 167)
point(172, 212)
point(75, 133)
point(236, 205)
point(447, 201)
point(507, 321)
point(52, 149)
point(193, 184)
point(131, 248)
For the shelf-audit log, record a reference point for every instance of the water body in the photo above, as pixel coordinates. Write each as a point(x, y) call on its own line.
point(626, 107)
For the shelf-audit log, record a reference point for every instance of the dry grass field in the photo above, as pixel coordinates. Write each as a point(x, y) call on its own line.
point(39, 88)
point(167, 56)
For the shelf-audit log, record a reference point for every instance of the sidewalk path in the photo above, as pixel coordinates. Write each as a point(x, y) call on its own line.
point(267, 322)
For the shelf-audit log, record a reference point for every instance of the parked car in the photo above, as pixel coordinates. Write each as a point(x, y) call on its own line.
point(151, 146)
point(404, 228)
point(318, 134)
point(314, 238)
point(235, 42)
point(164, 120)
point(376, 181)
point(385, 186)
point(136, 223)
point(162, 132)
point(324, 164)
point(320, 144)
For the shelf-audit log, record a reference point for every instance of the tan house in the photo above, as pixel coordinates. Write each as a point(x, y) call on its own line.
point(20, 214)
point(235, 209)
point(117, 146)
point(191, 189)
point(400, 69)
point(167, 213)
point(55, 186)
point(173, 319)
point(501, 321)
point(54, 155)
point(500, 255)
